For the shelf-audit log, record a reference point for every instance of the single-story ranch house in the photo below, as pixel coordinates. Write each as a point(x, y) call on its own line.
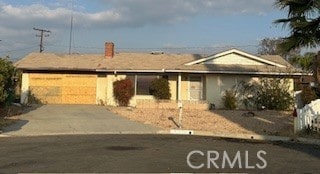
point(88, 78)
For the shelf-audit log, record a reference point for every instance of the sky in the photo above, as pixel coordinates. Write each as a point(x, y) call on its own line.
point(173, 26)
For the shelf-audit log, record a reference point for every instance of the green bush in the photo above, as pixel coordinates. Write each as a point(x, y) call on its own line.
point(160, 89)
point(6, 80)
point(269, 93)
point(123, 91)
point(274, 94)
point(229, 99)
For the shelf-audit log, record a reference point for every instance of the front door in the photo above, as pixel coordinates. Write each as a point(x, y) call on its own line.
point(195, 88)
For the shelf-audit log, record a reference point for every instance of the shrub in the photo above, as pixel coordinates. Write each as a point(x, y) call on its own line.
point(160, 89)
point(270, 93)
point(246, 93)
point(229, 99)
point(123, 91)
point(6, 80)
point(274, 94)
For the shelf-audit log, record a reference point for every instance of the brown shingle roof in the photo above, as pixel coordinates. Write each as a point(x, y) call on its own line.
point(51, 61)
point(145, 61)
point(138, 61)
point(277, 59)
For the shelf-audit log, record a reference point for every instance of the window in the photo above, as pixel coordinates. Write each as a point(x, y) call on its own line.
point(143, 83)
point(195, 88)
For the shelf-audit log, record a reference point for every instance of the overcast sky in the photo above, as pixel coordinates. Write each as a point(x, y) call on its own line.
point(200, 26)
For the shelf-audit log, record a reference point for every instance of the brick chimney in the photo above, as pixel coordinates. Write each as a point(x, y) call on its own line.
point(109, 50)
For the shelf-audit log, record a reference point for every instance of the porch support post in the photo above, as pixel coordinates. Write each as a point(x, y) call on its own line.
point(179, 87)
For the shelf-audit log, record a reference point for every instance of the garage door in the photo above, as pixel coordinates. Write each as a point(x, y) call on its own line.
point(63, 88)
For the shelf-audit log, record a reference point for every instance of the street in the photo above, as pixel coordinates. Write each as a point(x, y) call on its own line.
point(153, 153)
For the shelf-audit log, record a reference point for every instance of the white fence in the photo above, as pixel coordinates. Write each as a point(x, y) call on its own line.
point(308, 117)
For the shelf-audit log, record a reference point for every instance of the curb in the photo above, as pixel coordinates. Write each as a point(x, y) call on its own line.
point(83, 133)
point(242, 136)
point(186, 132)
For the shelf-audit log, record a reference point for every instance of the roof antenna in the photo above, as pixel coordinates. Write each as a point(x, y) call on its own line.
point(71, 28)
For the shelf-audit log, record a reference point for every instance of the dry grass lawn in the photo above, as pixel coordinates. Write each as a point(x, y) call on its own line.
point(217, 121)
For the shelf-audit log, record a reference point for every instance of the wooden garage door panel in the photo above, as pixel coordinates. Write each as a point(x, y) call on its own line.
point(45, 80)
point(80, 80)
point(78, 99)
point(50, 99)
point(63, 88)
point(74, 90)
point(46, 90)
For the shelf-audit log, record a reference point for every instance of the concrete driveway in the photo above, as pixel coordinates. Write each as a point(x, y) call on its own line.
point(74, 119)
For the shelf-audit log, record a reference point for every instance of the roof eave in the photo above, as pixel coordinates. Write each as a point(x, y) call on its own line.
point(241, 72)
point(206, 72)
point(56, 69)
point(170, 71)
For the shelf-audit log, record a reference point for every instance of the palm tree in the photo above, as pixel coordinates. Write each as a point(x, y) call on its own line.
point(304, 23)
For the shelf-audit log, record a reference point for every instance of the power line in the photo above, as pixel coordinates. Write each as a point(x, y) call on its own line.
point(42, 31)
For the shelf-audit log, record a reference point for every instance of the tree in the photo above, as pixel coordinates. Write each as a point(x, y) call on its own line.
point(269, 46)
point(303, 61)
point(6, 80)
point(303, 21)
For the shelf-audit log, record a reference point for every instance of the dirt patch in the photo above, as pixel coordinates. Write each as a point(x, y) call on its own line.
point(10, 111)
point(218, 121)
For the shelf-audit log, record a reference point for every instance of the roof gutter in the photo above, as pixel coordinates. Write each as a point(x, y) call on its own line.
point(170, 71)
point(131, 71)
point(239, 72)
point(203, 72)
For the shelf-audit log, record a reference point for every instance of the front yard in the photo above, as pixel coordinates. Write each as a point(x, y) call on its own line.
point(218, 121)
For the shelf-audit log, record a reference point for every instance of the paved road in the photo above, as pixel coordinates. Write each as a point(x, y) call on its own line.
point(152, 153)
point(74, 119)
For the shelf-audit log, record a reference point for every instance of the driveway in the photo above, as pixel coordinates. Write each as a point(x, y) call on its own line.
point(74, 119)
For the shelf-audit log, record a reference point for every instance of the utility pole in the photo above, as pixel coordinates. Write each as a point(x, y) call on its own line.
point(42, 31)
point(71, 28)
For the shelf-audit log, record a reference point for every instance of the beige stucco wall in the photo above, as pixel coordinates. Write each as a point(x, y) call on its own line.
point(24, 88)
point(102, 87)
point(109, 96)
point(184, 87)
point(291, 88)
point(173, 86)
point(235, 59)
point(217, 84)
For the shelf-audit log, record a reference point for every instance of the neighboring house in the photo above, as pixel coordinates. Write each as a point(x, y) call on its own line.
point(88, 78)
